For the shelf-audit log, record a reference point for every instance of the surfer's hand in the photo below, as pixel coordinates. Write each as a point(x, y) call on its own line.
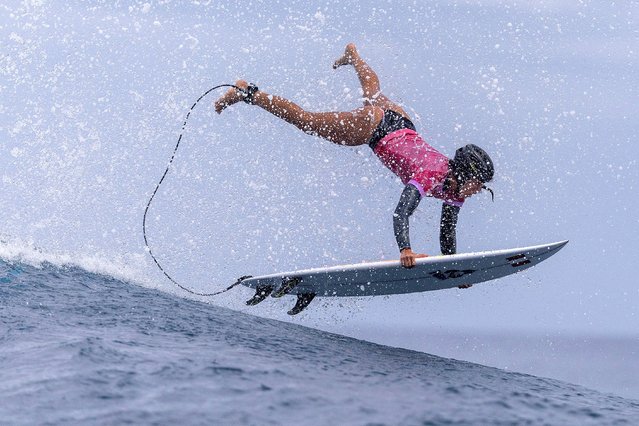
point(407, 257)
point(465, 286)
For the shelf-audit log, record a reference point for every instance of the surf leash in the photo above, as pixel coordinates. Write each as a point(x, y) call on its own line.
point(157, 187)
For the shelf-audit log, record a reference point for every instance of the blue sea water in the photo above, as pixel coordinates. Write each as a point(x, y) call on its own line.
point(82, 348)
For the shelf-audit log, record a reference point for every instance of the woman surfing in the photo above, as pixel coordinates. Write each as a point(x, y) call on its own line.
point(391, 134)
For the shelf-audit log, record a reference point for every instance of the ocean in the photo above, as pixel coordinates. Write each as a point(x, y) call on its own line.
point(84, 348)
point(94, 95)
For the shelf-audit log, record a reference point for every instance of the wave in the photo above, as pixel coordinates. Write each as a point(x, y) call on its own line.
point(85, 347)
point(14, 250)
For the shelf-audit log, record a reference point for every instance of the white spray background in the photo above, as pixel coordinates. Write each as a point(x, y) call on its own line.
point(93, 96)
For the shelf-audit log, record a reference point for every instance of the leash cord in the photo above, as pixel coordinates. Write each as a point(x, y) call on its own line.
point(157, 187)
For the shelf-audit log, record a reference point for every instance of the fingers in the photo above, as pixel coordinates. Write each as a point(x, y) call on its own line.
point(408, 259)
point(408, 262)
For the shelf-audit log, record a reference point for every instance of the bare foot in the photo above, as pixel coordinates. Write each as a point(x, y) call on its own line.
point(347, 58)
point(232, 96)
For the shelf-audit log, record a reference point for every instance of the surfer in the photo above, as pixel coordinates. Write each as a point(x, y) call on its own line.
point(388, 130)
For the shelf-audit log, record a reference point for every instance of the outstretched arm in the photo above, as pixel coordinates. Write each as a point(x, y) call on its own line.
point(447, 229)
point(408, 202)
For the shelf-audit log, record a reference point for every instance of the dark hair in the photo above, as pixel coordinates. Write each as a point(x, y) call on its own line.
point(472, 162)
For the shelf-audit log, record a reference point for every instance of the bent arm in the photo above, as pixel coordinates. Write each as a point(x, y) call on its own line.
point(408, 202)
point(447, 229)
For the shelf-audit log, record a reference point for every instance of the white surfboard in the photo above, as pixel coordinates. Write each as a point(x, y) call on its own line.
point(389, 277)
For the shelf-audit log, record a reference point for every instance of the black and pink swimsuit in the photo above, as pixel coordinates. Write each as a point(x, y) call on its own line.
point(413, 160)
point(422, 169)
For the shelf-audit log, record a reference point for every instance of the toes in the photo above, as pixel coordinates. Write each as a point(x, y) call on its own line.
point(231, 96)
point(219, 107)
point(347, 58)
point(341, 61)
point(223, 102)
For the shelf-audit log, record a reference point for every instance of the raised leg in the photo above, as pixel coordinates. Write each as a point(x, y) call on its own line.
point(368, 80)
point(344, 128)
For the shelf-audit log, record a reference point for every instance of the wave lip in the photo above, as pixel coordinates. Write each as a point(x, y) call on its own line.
point(16, 251)
point(86, 348)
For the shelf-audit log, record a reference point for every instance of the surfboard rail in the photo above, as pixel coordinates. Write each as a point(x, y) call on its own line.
point(389, 277)
point(394, 263)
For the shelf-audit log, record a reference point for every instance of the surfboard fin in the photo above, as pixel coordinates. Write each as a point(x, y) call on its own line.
point(261, 293)
point(303, 300)
point(288, 284)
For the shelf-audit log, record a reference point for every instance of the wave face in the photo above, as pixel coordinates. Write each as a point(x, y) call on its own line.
point(84, 348)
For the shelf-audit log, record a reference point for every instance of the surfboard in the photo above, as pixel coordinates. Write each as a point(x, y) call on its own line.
point(389, 277)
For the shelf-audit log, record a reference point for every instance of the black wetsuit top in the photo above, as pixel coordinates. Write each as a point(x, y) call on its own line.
point(410, 198)
point(408, 202)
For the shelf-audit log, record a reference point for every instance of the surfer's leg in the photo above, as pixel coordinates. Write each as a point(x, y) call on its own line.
point(344, 128)
point(368, 79)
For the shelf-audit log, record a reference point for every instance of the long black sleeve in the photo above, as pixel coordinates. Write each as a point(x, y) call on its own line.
point(408, 202)
point(447, 229)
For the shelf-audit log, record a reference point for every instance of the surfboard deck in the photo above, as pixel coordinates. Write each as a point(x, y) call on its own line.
point(389, 277)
